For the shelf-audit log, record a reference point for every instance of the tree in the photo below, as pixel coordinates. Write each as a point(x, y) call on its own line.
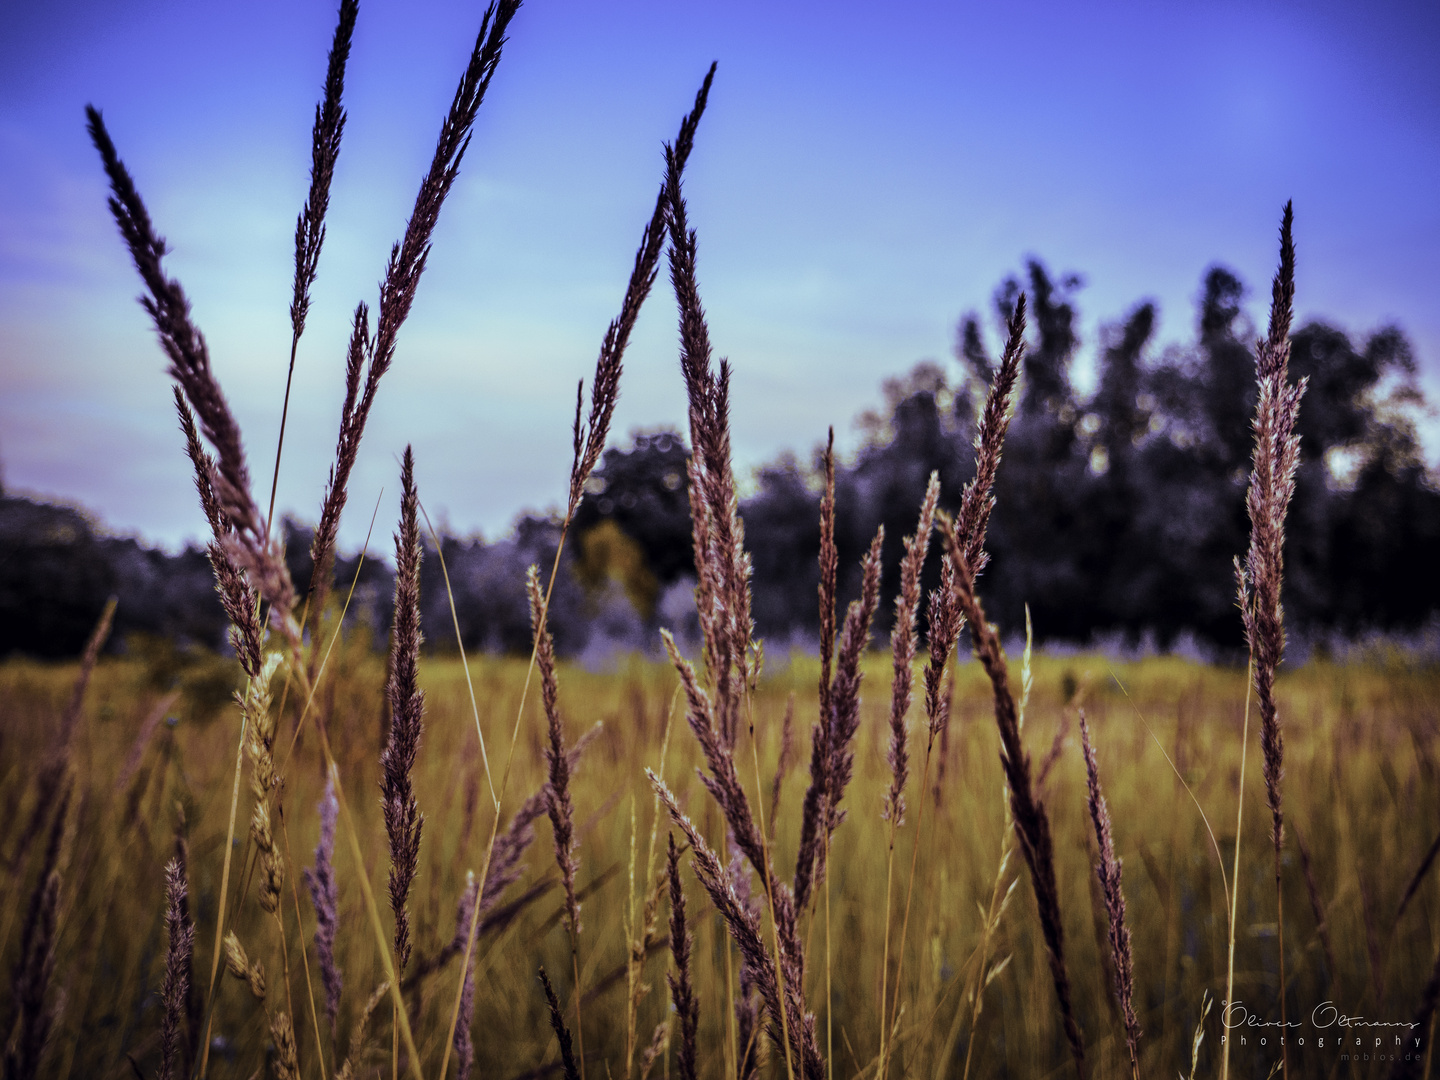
point(643, 489)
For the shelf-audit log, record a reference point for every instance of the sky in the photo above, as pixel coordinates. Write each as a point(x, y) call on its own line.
point(864, 176)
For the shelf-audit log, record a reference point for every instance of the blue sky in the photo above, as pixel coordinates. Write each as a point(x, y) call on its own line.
point(863, 177)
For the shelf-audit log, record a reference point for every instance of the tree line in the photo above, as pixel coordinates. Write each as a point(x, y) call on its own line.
point(1118, 511)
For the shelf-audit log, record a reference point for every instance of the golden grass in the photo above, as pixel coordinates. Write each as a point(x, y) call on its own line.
point(1361, 784)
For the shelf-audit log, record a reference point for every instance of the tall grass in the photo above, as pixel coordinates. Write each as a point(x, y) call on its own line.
point(120, 847)
point(111, 939)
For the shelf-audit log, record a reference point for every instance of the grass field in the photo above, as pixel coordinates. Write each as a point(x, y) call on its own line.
point(193, 888)
point(1361, 786)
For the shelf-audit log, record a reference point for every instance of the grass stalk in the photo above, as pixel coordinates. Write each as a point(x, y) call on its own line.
point(495, 823)
point(1108, 873)
point(881, 1070)
point(460, 645)
point(992, 922)
point(284, 958)
point(403, 822)
point(910, 882)
point(903, 647)
point(1280, 951)
point(1235, 876)
point(732, 1039)
point(408, 257)
point(1276, 457)
point(304, 953)
point(1317, 905)
point(640, 936)
point(362, 867)
point(575, 970)
point(944, 627)
point(1032, 825)
point(769, 894)
point(629, 920)
point(224, 897)
point(829, 993)
point(945, 614)
point(560, 804)
point(334, 637)
point(310, 225)
point(1204, 818)
point(586, 452)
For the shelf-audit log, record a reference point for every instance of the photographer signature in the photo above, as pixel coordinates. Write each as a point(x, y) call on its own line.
point(1325, 1015)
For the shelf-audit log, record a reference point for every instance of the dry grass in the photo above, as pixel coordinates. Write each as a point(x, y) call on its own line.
point(1361, 760)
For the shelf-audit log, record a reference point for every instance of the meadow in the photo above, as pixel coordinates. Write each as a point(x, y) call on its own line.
point(1363, 795)
point(833, 865)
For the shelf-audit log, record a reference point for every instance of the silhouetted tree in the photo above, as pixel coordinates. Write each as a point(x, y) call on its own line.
point(782, 531)
point(54, 579)
point(1124, 511)
point(1119, 512)
point(488, 583)
point(644, 490)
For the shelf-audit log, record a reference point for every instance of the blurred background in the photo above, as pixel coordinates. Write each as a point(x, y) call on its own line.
point(871, 193)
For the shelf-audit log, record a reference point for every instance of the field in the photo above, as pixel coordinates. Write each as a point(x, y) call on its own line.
point(1361, 790)
point(324, 858)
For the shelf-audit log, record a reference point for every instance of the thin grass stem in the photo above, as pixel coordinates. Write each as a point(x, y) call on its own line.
point(769, 894)
point(304, 953)
point(224, 895)
point(1214, 844)
point(885, 954)
point(732, 1039)
point(991, 922)
point(362, 866)
point(1231, 897)
point(910, 884)
point(829, 993)
point(460, 644)
point(495, 825)
point(334, 636)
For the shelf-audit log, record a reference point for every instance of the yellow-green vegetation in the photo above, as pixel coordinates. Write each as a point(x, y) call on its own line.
point(1361, 787)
